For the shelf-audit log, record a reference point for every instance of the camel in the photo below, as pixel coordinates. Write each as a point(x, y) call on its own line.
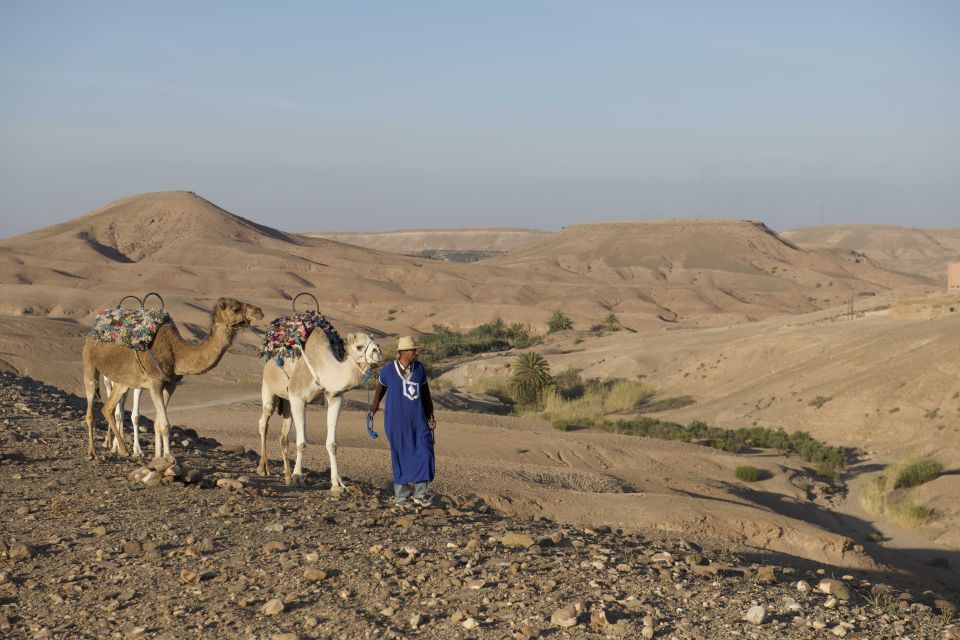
point(301, 381)
point(159, 369)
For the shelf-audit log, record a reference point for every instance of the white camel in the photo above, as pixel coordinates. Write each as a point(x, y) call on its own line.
point(301, 381)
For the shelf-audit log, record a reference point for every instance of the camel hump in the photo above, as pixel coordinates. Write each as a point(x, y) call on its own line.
point(286, 333)
point(134, 328)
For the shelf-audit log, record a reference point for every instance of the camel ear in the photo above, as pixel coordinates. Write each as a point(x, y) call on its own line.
point(222, 303)
point(349, 337)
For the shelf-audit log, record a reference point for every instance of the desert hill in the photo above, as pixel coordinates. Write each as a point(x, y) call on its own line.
point(920, 251)
point(699, 273)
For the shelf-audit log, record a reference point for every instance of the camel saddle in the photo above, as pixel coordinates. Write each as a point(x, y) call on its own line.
point(134, 328)
point(285, 334)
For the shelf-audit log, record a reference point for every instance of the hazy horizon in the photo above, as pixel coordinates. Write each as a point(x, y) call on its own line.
point(329, 117)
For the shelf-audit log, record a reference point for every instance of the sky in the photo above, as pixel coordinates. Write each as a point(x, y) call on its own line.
point(375, 116)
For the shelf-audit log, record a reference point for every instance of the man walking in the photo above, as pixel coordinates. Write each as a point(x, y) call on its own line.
point(409, 423)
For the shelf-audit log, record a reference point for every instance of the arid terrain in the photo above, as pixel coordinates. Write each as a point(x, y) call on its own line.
point(745, 326)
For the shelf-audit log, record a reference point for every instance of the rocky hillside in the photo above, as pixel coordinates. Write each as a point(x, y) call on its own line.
point(197, 547)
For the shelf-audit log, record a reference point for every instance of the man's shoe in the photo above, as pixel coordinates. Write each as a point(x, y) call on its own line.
point(423, 501)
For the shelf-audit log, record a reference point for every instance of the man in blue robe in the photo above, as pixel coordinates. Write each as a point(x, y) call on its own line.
point(408, 423)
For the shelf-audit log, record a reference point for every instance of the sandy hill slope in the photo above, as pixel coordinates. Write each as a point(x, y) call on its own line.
point(921, 251)
point(411, 241)
point(723, 267)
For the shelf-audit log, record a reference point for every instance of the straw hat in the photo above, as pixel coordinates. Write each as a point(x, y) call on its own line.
point(407, 343)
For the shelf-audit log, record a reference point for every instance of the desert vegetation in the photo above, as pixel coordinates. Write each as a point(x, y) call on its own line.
point(749, 473)
point(495, 335)
point(886, 495)
point(559, 321)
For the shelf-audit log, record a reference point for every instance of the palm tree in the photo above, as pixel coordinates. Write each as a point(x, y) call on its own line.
point(559, 321)
point(530, 378)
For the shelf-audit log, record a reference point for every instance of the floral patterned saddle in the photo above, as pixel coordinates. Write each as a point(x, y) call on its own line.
point(134, 328)
point(284, 334)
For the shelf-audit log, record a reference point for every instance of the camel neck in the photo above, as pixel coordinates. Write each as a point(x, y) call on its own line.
point(200, 357)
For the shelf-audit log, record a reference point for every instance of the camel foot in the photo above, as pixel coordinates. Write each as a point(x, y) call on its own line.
point(296, 480)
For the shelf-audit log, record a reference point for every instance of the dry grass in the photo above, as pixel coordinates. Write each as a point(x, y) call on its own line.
point(884, 498)
point(596, 402)
point(497, 386)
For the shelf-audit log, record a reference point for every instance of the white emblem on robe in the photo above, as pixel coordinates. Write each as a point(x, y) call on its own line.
point(411, 390)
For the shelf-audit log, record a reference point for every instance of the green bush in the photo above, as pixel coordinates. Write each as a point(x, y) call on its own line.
point(918, 472)
point(829, 461)
point(496, 335)
point(747, 473)
point(559, 321)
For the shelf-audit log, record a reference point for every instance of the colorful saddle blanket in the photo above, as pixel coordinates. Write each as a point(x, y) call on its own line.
point(134, 328)
point(283, 333)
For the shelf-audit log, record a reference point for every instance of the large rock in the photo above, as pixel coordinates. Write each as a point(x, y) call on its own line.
point(517, 541)
point(565, 617)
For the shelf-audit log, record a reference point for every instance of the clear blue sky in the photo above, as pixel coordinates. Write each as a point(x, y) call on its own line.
point(387, 115)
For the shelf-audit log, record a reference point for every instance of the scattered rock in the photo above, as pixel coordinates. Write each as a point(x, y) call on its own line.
point(756, 614)
point(834, 588)
point(273, 607)
point(274, 546)
point(230, 484)
point(314, 575)
point(517, 540)
point(565, 617)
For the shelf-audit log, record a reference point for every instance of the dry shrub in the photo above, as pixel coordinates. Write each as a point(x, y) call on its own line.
point(886, 497)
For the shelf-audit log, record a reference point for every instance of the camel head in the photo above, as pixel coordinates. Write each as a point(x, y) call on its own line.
point(234, 314)
point(363, 350)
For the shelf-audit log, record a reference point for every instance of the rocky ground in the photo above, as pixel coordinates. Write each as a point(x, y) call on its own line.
point(200, 547)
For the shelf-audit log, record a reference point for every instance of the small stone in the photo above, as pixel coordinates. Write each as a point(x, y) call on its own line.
point(831, 603)
point(517, 541)
point(387, 612)
point(756, 615)
point(273, 607)
point(4, 578)
point(475, 583)
point(20, 551)
point(314, 575)
point(470, 624)
point(274, 546)
point(839, 630)
point(289, 635)
point(803, 586)
point(565, 617)
point(834, 588)
point(189, 577)
point(193, 476)
point(99, 531)
point(599, 619)
point(229, 484)
point(311, 556)
point(647, 632)
point(132, 548)
point(765, 575)
point(416, 620)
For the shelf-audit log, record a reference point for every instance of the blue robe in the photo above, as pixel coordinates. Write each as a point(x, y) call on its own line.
point(405, 423)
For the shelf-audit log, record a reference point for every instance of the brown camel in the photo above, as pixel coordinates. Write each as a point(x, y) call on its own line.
point(160, 369)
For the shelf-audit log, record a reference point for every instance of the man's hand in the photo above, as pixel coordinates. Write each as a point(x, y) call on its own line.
point(373, 410)
point(432, 422)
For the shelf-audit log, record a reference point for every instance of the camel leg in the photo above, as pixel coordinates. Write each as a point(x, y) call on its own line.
point(333, 415)
point(90, 375)
point(268, 403)
point(284, 439)
point(118, 420)
point(168, 390)
point(160, 423)
point(116, 395)
point(107, 390)
point(135, 420)
point(298, 409)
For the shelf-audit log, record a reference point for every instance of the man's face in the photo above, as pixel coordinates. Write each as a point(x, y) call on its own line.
point(407, 356)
